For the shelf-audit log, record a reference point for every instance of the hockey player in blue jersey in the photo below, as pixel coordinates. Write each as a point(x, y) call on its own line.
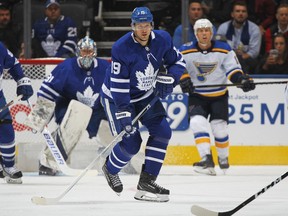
point(71, 87)
point(7, 135)
point(210, 62)
point(127, 89)
point(55, 35)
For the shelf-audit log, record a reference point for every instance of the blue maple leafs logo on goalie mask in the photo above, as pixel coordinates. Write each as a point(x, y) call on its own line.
point(204, 69)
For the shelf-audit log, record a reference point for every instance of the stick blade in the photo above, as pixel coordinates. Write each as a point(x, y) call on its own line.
point(44, 201)
point(200, 211)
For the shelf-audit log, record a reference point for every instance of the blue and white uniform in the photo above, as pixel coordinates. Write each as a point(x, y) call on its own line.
point(128, 86)
point(57, 40)
point(70, 81)
point(7, 135)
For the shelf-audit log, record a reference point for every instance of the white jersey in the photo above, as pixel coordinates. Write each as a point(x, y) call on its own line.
point(213, 66)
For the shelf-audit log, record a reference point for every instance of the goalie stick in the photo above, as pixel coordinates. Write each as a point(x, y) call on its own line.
point(40, 200)
point(239, 84)
point(57, 155)
point(200, 211)
point(65, 169)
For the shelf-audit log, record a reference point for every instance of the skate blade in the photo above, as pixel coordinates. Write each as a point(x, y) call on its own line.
point(206, 171)
point(151, 197)
point(13, 181)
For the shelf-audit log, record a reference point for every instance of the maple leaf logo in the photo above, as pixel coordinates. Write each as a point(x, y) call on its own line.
point(146, 79)
point(88, 97)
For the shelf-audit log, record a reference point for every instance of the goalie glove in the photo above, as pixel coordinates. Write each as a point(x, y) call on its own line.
point(247, 83)
point(164, 85)
point(24, 88)
point(186, 84)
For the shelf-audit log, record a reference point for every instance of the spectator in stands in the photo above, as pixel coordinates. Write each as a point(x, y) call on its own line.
point(261, 12)
point(11, 34)
point(280, 26)
point(195, 12)
point(217, 11)
point(55, 35)
point(243, 36)
point(276, 61)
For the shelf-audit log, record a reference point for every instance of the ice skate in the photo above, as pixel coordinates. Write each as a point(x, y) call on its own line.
point(12, 175)
point(223, 164)
point(113, 180)
point(44, 170)
point(148, 190)
point(205, 166)
point(1, 171)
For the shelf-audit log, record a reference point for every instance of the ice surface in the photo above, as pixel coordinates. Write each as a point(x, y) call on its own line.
point(92, 195)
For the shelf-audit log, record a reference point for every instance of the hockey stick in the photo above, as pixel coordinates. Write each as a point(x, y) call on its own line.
point(56, 153)
point(239, 84)
point(50, 201)
point(200, 211)
point(65, 169)
point(10, 103)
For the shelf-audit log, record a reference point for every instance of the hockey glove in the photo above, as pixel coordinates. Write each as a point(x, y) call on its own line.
point(186, 84)
point(24, 88)
point(126, 122)
point(247, 84)
point(164, 85)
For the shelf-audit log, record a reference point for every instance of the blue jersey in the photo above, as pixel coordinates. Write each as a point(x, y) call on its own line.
point(11, 64)
point(69, 81)
point(134, 67)
point(56, 39)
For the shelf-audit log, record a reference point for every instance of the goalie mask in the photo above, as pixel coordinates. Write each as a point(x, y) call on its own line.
point(86, 52)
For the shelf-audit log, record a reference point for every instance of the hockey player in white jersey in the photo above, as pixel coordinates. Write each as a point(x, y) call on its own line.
point(210, 62)
point(8, 62)
point(69, 93)
point(127, 89)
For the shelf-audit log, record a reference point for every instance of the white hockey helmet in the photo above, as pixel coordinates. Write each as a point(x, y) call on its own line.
point(202, 23)
point(86, 51)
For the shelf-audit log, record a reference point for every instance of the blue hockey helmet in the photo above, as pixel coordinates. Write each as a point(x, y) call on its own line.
point(86, 51)
point(141, 14)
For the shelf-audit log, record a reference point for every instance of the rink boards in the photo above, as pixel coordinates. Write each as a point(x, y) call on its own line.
point(258, 127)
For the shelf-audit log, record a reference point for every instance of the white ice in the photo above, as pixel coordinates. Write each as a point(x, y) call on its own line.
point(92, 195)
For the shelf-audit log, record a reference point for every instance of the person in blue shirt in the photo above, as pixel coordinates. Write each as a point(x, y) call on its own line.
point(55, 35)
point(195, 12)
point(128, 87)
point(8, 62)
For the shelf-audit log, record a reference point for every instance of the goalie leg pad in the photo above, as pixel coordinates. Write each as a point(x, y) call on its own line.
point(41, 114)
point(73, 125)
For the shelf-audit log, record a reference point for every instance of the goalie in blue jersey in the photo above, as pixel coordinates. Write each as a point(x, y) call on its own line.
point(128, 87)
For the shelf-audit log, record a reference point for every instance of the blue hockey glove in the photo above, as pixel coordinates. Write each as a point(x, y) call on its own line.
point(24, 88)
point(186, 84)
point(247, 83)
point(164, 85)
point(126, 122)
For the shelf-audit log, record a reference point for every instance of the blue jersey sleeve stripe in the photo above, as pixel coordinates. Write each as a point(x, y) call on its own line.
point(120, 80)
point(47, 88)
point(119, 90)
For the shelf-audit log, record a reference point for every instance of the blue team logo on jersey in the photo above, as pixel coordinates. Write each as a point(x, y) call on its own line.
point(204, 69)
point(145, 79)
point(88, 97)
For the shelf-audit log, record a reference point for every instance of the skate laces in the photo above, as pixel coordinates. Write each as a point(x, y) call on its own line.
point(115, 180)
point(11, 170)
point(156, 185)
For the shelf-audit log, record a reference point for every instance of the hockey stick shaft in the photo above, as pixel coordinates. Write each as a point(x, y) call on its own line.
point(239, 84)
point(49, 201)
point(200, 211)
point(10, 103)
